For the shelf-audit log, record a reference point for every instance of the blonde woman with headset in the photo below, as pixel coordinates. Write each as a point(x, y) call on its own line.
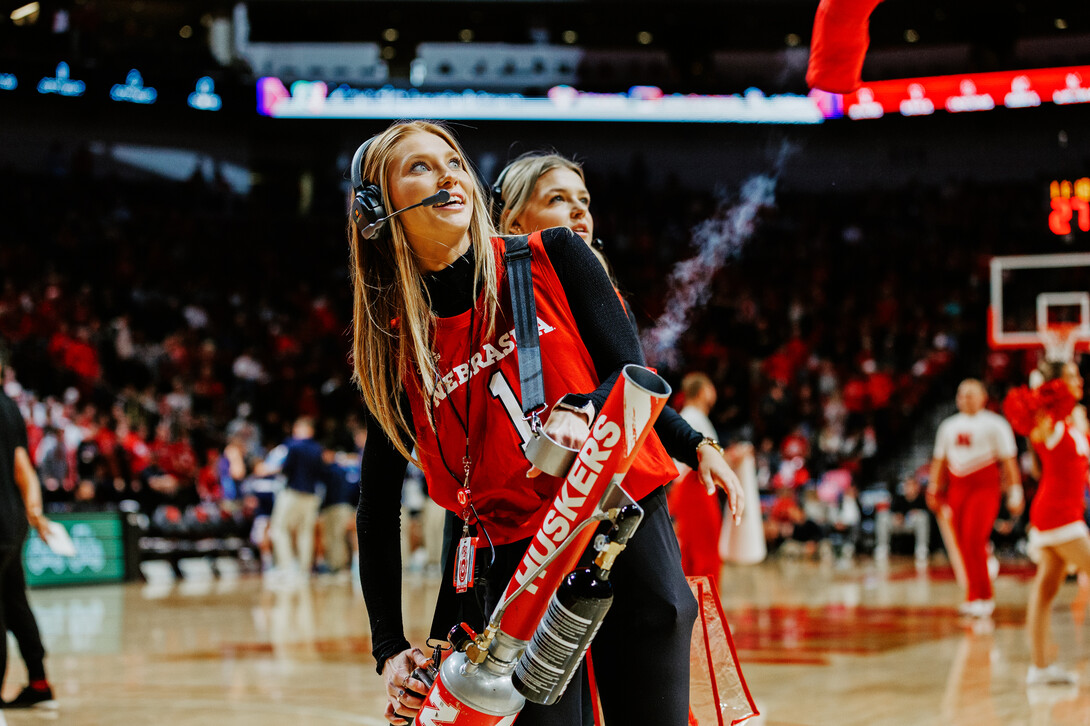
point(431, 345)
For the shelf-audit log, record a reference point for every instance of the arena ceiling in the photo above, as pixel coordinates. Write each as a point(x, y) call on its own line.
point(687, 28)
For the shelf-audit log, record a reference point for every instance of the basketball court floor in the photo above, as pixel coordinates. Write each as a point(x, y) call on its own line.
point(818, 643)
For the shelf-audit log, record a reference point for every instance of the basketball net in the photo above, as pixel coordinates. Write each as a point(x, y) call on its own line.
point(1059, 340)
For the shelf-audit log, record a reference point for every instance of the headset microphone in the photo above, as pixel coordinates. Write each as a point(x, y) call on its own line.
point(374, 228)
point(368, 209)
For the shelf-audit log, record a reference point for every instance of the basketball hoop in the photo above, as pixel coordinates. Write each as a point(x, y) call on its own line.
point(1060, 340)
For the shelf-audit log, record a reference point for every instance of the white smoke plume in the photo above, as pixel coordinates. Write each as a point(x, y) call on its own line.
point(716, 240)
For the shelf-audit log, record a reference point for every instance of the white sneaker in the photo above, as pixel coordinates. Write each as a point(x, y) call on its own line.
point(1051, 695)
point(1050, 675)
point(281, 579)
point(977, 608)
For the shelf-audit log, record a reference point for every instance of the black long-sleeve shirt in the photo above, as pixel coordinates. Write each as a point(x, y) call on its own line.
point(611, 340)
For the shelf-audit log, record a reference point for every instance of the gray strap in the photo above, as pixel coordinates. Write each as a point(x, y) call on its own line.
point(524, 309)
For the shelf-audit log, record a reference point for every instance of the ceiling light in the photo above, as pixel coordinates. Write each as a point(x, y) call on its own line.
point(25, 14)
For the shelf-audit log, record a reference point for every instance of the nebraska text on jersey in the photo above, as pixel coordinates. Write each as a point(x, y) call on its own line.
point(486, 356)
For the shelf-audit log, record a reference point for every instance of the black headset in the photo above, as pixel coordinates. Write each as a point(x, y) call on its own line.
point(497, 194)
point(367, 205)
point(498, 203)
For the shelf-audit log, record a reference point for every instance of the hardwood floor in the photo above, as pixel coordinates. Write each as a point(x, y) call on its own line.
point(818, 644)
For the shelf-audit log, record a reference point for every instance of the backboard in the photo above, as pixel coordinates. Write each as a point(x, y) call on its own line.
point(1037, 298)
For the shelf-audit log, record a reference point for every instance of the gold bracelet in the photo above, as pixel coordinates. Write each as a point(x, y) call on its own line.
point(709, 441)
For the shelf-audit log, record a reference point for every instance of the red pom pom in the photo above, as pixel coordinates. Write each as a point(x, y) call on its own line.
point(1055, 399)
point(1023, 405)
point(1020, 408)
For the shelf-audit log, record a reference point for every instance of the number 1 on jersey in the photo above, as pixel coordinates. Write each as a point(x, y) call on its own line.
point(500, 388)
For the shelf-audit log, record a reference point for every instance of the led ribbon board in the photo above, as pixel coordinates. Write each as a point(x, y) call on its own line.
point(315, 99)
point(960, 93)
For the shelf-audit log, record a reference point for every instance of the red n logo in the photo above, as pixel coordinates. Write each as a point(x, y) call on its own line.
point(964, 439)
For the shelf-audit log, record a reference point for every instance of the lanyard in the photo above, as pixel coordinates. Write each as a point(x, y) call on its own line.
point(464, 495)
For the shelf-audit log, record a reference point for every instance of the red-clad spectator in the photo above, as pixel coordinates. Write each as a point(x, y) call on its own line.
point(797, 351)
point(58, 344)
point(779, 367)
point(81, 358)
point(34, 434)
point(796, 445)
point(784, 515)
point(284, 343)
point(134, 443)
point(209, 488)
point(785, 509)
point(792, 474)
point(855, 398)
point(880, 389)
point(105, 437)
point(175, 456)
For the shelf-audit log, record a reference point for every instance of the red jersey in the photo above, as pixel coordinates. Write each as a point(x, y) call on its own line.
point(138, 451)
point(175, 458)
point(485, 371)
point(1065, 460)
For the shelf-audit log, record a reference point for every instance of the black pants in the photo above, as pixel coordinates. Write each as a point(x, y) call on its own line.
point(16, 615)
point(452, 607)
point(641, 652)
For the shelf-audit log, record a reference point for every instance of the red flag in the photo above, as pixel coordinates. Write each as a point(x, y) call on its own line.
point(839, 45)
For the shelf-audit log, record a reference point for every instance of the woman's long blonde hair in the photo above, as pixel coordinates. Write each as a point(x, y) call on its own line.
point(393, 322)
point(519, 179)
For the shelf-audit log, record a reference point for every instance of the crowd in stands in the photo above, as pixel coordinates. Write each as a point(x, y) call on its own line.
point(166, 335)
point(836, 329)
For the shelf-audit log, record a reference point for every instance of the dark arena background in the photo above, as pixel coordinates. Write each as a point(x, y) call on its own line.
point(174, 293)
